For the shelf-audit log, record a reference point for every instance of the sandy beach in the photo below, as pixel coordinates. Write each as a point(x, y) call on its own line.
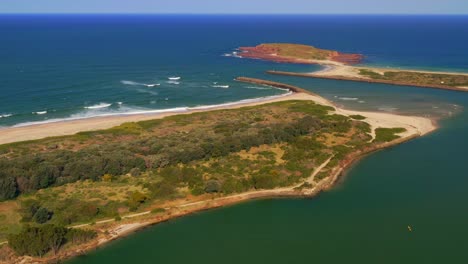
point(413, 124)
point(353, 71)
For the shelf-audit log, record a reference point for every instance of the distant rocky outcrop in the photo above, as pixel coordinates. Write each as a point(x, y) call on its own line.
point(296, 53)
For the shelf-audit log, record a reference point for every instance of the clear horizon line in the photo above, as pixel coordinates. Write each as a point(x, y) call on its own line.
point(246, 14)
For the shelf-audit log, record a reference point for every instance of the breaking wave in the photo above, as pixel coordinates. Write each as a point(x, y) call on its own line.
point(98, 106)
point(96, 110)
point(140, 84)
point(5, 115)
point(220, 86)
point(348, 98)
point(232, 54)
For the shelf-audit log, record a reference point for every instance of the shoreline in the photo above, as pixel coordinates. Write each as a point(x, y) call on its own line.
point(112, 230)
point(346, 73)
point(118, 231)
point(42, 130)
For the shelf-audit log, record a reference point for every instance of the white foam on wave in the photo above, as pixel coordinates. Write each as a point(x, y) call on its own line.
point(126, 111)
point(174, 78)
point(232, 54)
point(348, 98)
point(5, 115)
point(220, 86)
point(361, 102)
point(39, 113)
point(140, 84)
point(98, 106)
point(173, 82)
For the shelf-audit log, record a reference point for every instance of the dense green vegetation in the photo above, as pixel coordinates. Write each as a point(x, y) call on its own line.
point(387, 134)
point(419, 78)
point(357, 117)
point(54, 163)
point(38, 241)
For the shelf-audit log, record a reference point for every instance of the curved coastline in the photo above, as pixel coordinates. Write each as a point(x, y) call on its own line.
point(69, 126)
point(416, 126)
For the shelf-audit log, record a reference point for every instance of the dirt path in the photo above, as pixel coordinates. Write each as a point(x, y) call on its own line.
point(240, 196)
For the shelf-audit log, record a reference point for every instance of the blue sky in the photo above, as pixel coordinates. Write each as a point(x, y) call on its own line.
point(238, 6)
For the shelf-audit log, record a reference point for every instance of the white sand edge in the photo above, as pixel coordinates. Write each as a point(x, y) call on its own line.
point(413, 124)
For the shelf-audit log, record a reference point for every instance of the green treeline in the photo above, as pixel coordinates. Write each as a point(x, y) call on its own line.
point(38, 241)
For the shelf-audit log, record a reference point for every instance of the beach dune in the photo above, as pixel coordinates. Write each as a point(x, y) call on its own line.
point(413, 124)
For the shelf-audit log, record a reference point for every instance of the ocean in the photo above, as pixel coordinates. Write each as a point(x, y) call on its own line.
point(76, 66)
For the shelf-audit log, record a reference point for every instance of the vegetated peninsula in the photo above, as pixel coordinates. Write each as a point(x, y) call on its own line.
point(339, 66)
point(63, 196)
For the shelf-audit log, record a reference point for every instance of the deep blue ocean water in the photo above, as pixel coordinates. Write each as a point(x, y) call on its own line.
point(74, 66)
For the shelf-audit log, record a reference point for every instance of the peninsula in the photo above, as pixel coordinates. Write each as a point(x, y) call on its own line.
point(341, 66)
point(78, 191)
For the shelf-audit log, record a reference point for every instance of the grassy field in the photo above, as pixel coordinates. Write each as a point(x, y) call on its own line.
point(145, 165)
point(299, 51)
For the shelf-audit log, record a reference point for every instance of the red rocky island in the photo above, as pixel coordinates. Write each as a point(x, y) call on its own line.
point(296, 53)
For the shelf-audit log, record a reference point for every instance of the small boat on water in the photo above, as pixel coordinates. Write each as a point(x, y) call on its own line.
point(410, 229)
point(174, 78)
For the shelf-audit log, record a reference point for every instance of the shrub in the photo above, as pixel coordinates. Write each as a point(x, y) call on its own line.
point(135, 172)
point(136, 199)
point(79, 236)
point(158, 210)
point(387, 134)
point(36, 241)
point(357, 117)
point(212, 186)
point(8, 188)
point(107, 177)
point(42, 215)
